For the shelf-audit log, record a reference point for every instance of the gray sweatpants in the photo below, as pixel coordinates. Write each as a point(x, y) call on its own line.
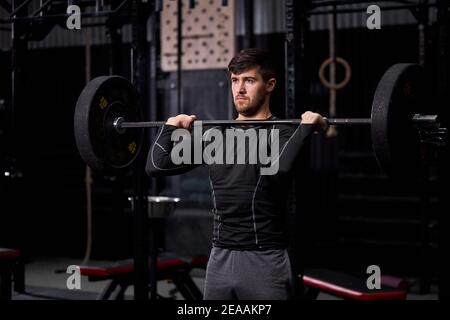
point(248, 275)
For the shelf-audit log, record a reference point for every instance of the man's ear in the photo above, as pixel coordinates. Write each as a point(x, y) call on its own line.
point(270, 84)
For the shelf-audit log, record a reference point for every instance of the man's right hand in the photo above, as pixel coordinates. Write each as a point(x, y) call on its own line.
point(182, 121)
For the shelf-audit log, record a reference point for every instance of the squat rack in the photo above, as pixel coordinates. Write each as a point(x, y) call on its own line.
point(35, 25)
point(297, 65)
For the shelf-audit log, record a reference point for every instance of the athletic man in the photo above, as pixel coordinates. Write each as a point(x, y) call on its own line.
point(248, 259)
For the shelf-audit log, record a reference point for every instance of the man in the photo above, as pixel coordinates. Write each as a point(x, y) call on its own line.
point(248, 259)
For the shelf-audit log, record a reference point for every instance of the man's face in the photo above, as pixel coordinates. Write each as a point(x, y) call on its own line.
point(250, 91)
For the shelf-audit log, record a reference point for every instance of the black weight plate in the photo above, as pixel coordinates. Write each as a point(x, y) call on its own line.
point(100, 145)
point(399, 94)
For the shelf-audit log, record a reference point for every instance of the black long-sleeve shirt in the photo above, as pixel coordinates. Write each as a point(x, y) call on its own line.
point(249, 208)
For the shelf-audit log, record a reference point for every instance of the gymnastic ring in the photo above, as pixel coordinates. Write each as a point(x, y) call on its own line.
point(343, 83)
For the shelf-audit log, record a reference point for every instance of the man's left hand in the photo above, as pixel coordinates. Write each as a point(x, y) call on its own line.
point(314, 118)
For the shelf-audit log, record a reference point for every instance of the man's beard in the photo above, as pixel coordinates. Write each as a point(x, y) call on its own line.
point(252, 108)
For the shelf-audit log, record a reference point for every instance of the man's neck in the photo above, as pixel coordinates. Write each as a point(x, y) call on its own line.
point(263, 114)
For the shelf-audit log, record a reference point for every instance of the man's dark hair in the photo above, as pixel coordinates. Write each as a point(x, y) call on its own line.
point(253, 57)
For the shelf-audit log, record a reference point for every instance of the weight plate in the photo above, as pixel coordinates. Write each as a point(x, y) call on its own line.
point(396, 144)
point(100, 145)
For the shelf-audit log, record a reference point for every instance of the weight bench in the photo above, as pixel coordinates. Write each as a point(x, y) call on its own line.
point(348, 287)
point(121, 275)
point(10, 266)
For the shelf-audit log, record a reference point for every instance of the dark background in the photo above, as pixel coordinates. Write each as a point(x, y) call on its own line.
point(360, 216)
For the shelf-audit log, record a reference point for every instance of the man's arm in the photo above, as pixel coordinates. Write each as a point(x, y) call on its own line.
point(292, 139)
point(159, 161)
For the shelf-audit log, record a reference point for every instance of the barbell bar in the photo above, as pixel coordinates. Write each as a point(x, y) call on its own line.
point(120, 124)
point(418, 120)
point(108, 116)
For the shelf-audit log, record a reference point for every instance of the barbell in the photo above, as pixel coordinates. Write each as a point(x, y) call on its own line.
point(108, 108)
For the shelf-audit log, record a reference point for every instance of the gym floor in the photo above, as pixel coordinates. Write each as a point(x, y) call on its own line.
point(45, 279)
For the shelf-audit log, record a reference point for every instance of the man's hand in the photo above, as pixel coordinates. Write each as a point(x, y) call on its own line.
point(182, 121)
point(314, 118)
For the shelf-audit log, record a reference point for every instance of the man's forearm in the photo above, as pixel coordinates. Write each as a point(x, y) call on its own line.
point(159, 161)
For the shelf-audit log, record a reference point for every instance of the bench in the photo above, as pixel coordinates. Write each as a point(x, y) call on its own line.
point(9, 260)
point(349, 287)
point(177, 269)
point(120, 275)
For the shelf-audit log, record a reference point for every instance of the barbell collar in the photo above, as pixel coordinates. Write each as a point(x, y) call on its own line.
point(421, 121)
